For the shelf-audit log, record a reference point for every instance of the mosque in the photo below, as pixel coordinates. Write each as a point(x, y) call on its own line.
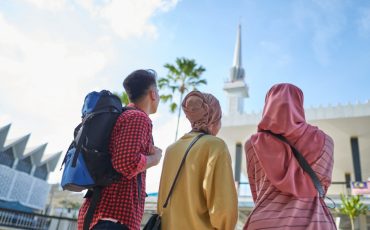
point(24, 172)
point(348, 125)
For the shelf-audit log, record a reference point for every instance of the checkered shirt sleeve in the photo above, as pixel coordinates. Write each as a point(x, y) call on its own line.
point(131, 137)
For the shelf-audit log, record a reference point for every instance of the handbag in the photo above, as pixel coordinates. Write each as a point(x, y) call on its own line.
point(154, 222)
point(305, 166)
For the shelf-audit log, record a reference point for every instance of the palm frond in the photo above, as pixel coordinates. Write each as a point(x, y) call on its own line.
point(165, 98)
point(173, 107)
point(163, 82)
point(172, 69)
point(174, 88)
point(195, 83)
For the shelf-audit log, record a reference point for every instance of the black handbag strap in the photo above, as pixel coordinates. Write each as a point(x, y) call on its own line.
point(302, 162)
point(181, 165)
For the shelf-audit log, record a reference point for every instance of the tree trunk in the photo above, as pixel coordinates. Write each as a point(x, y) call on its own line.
point(178, 116)
point(352, 223)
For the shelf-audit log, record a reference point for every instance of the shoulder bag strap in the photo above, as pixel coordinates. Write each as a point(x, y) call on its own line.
point(181, 165)
point(303, 163)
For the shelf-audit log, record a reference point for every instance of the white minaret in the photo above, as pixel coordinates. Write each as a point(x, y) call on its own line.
point(235, 87)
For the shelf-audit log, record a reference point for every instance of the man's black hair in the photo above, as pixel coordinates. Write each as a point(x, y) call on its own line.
point(138, 83)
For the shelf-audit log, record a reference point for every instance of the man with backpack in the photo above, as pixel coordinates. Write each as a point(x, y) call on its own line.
point(121, 204)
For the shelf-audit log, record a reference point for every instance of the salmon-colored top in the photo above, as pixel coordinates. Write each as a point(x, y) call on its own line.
point(284, 195)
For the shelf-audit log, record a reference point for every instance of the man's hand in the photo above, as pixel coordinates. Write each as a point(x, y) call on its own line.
point(154, 158)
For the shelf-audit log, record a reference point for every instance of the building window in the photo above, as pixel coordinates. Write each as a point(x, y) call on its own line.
point(25, 165)
point(7, 158)
point(238, 161)
point(41, 172)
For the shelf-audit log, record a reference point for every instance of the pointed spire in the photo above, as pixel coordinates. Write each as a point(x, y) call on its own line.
point(237, 71)
point(238, 49)
point(236, 87)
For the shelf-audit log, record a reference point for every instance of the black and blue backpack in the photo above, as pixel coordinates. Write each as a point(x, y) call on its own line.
point(87, 162)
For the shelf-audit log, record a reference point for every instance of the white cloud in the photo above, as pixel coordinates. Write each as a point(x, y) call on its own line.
point(53, 5)
point(132, 18)
point(125, 20)
point(48, 105)
point(128, 18)
point(43, 82)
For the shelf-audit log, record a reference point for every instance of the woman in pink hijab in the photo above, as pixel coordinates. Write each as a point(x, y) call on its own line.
point(204, 196)
point(284, 194)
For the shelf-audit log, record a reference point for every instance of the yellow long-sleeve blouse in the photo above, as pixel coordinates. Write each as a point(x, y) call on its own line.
point(204, 196)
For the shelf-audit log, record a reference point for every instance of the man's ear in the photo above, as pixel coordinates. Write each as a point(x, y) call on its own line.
point(152, 94)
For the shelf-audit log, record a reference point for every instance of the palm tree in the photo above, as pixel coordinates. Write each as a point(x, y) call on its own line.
point(352, 207)
point(123, 96)
point(181, 77)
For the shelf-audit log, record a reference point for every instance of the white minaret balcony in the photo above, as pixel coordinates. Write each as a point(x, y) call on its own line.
point(236, 88)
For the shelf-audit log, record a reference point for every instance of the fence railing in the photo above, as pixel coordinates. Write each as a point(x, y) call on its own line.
point(33, 221)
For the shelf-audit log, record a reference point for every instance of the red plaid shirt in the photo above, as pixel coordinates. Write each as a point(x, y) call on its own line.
point(130, 141)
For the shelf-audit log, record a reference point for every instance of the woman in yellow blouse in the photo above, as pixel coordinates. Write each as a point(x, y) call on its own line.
point(204, 196)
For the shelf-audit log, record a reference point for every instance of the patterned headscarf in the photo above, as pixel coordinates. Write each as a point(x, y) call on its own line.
point(202, 110)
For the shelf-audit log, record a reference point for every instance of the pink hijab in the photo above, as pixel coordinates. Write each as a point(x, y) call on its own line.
point(284, 114)
point(202, 110)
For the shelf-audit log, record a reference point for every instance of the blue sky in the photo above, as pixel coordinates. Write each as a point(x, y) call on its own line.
point(54, 52)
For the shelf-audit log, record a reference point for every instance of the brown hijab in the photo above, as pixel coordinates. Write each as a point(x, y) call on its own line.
point(202, 110)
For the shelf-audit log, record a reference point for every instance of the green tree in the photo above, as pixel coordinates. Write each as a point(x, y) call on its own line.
point(70, 206)
point(181, 77)
point(123, 96)
point(352, 207)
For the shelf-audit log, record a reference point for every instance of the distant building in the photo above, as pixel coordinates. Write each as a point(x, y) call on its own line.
point(64, 203)
point(24, 172)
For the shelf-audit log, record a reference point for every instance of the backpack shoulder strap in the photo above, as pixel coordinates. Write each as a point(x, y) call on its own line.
point(95, 198)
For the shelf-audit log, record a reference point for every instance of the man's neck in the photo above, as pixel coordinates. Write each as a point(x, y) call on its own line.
point(143, 106)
